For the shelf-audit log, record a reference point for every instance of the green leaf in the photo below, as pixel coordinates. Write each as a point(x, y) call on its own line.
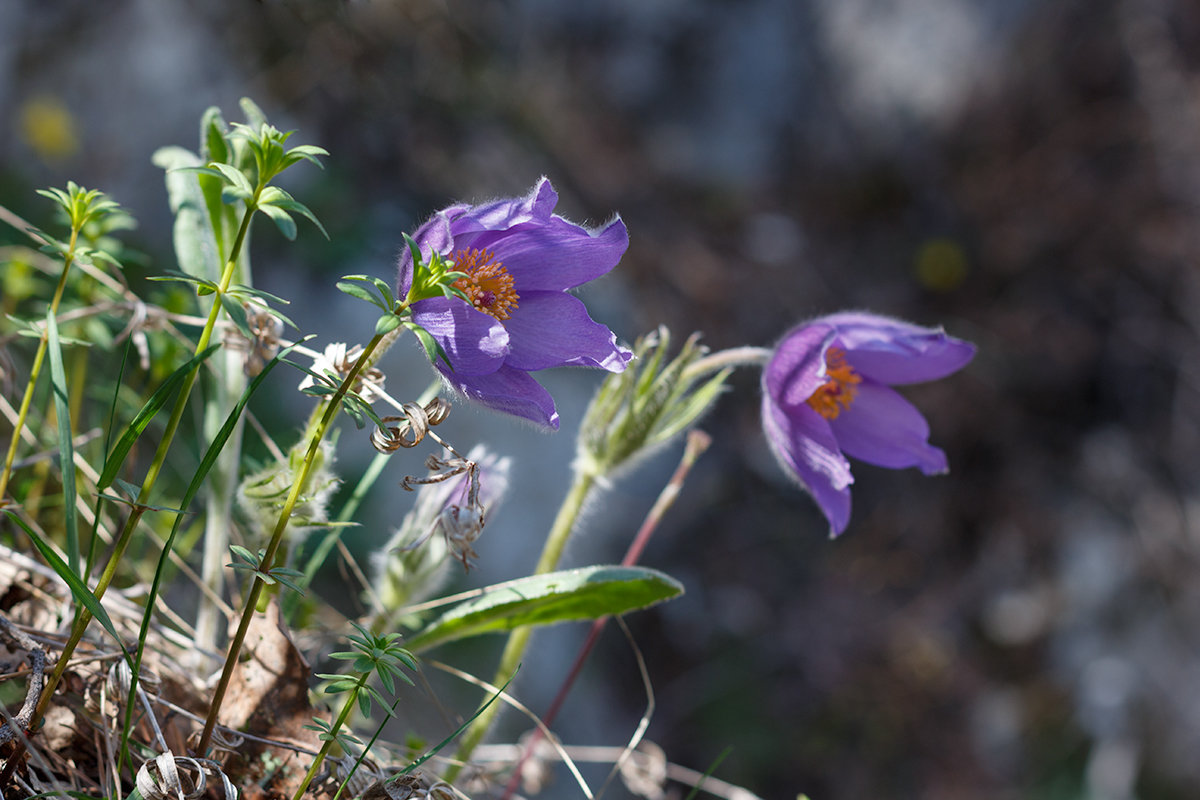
point(195, 242)
point(286, 582)
point(282, 219)
point(354, 290)
point(212, 136)
point(239, 290)
point(433, 349)
point(232, 194)
point(199, 169)
point(274, 196)
point(385, 291)
point(237, 313)
point(117, 457)
point(82, 594)
point(203, 285)
point(386, 324)
point(100, 255)
point(309, 152)
point(66, 449)
point(255, 118)
point(343, 685)
point(575, 594)
point(234, 177)
point(244, 554)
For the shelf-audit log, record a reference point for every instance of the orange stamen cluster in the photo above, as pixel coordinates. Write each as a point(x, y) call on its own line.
point(841, 385)
point(488, 283)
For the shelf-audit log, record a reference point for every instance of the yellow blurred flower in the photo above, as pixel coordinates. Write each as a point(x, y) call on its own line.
point(941, 265)
point(48, 128)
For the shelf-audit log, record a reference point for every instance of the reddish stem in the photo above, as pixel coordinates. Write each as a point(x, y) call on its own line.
point(697, 442)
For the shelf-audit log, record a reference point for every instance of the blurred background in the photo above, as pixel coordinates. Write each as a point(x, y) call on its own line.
point(1025, 173)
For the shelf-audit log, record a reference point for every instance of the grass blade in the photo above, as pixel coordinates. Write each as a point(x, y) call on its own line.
point(66, 449)
point(436, 748)
point(202, 470)
point(117, 457)
point(79, 590)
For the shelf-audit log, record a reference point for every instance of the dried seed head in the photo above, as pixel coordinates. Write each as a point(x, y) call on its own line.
point(335, 364)
point(266, 330)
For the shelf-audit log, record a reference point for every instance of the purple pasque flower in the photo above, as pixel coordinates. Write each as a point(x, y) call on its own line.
point(520, 260)
point(827, 395)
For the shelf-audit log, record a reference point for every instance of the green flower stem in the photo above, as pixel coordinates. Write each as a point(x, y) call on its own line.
point(38, 358)
point(110, 569)
point(697, 443)
point(319, 759)
point(733, 357)
point(292, 601)
point(518, 639)
point(235, 646)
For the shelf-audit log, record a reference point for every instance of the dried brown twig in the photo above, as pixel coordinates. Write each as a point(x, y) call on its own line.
point(16, 638)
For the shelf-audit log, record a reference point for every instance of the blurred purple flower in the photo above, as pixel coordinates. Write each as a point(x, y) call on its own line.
point(826, 395)
point(520, 258)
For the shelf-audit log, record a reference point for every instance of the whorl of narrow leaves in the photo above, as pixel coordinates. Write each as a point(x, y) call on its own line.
point(80, 205)
point(244, 158)
point(381, 655)
point(89, 213)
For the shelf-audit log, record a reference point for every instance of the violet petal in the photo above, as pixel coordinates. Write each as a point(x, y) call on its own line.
point(807, 450)
point(556, 255)
point(475, 343)
point(553, 329)
point(880, 427)
point(509, 390)
point(797, 368)
point(895, 352)
point(470, 222)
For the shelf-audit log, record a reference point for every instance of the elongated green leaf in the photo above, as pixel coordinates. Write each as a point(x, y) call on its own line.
point(66, 449)
point(206, 464)
point(236, 178)
point(574, 594)
point(195, 241)
point(117, 457)
point(290, 204)
point(82, 594)
point(255, 118)
point(239, 289)
point(354, 290)
point(436, 748)
point(212, 136)
point(386, 324)
point(282, 219)
point(237, 314)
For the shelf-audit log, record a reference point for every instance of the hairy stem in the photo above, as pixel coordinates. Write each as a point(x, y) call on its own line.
point(319, 759)
point(332, 407)
point(731, 357)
